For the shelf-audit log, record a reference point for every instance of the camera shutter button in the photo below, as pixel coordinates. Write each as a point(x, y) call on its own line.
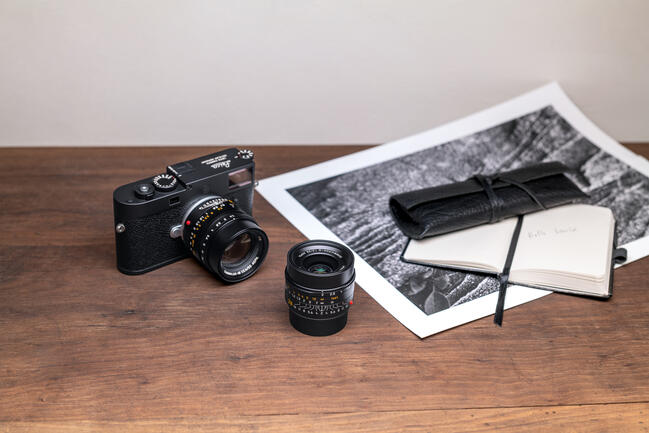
point(144, 191)
point(165, 182)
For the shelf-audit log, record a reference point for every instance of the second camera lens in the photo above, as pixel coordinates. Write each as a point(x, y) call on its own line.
point(319, 286)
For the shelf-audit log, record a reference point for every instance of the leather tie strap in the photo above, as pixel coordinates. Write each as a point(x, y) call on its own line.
point(496, 205)
point(495, 202)
point(503, 278)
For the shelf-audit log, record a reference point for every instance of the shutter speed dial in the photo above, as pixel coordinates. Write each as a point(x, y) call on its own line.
point(165, 182)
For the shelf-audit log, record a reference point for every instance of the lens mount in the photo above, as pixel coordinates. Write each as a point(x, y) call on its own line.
point(226, 240)
point(319, 286)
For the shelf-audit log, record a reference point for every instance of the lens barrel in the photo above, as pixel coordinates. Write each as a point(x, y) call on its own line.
point(226, 240)
point(319, 286)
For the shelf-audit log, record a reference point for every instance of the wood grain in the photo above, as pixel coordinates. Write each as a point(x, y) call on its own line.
point(86, 348)
point(626, 418)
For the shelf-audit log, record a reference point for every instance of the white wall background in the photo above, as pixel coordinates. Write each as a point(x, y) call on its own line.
point(112, 72)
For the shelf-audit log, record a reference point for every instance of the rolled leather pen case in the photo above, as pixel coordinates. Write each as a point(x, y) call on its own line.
point(483, 199)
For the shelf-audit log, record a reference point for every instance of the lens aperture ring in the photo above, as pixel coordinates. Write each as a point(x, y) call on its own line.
point(199, 249)
point(202, 222)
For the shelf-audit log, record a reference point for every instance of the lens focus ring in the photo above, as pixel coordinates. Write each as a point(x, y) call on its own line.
point(203, 227)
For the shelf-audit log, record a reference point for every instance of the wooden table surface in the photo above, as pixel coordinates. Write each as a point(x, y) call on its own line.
point(84, 348)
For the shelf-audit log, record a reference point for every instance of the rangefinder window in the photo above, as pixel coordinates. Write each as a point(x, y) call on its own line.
point(240, 178)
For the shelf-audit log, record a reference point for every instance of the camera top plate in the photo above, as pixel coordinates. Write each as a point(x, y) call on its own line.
point(219, 173)
point(199, 169)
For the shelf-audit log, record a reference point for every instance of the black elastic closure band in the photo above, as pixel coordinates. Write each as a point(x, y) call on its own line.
point(495, 203)
point(619, 255)
point(503, 277)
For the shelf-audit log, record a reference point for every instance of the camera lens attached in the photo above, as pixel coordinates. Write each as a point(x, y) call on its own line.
point(226, 240)
point(319, 286)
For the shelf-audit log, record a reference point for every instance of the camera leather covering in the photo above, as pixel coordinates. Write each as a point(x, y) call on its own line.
point(483, 199)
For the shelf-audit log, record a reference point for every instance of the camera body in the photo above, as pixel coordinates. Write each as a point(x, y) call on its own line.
point(149, 213)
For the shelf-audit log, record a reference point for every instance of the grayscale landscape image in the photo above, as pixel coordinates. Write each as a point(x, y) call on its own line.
point(354, 205)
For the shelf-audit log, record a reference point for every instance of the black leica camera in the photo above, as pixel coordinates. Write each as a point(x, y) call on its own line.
point(201, 207)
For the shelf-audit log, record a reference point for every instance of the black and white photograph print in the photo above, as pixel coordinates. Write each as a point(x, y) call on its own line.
point(354, 205)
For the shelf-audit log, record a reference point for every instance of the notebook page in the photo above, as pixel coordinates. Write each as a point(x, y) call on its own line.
point(482, 248)
point(573, 239)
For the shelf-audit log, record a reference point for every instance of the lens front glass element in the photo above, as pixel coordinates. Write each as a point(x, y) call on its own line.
point(237, 250)
point(321, 262)
point(320, 268)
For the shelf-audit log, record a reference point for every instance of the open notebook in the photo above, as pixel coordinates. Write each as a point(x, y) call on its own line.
point(565, 249)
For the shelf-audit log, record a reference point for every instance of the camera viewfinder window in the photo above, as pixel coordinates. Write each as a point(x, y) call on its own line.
point(239, 178)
